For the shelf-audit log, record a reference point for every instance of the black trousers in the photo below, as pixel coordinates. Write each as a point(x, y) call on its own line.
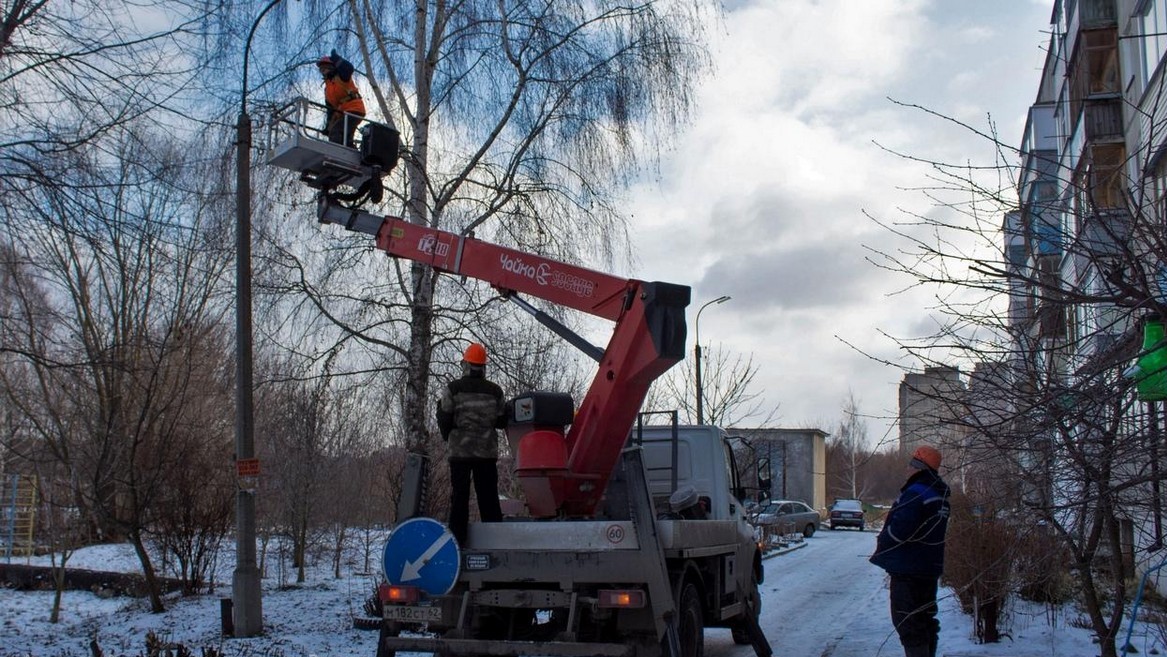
point(913, 612)
point(342, 127)
point(485, 475)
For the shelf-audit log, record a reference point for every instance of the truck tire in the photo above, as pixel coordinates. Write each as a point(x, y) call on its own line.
point(690, 622)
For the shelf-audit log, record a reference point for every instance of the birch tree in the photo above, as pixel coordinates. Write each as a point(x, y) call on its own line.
point(848, 451)
point(520, 121)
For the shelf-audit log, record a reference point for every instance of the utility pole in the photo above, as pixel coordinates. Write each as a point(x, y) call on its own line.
point(246, 588)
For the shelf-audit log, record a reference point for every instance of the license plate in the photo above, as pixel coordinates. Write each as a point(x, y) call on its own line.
point(413, 614)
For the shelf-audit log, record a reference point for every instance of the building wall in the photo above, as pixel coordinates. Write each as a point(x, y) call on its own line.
point(797, 462)
point(1105, 80)
point(1143, 57)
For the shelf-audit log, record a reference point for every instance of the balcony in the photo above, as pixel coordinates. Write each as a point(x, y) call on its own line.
point(1093, 68)
point(1102, 119)
point(1096, 13)
point(1041, 132)
point(1104, 232)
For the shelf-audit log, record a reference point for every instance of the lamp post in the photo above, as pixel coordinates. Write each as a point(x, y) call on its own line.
point(697, 353)
point(246, 595)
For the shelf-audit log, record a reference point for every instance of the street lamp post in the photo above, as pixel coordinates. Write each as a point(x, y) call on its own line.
point(697, 354)
point(246, 595)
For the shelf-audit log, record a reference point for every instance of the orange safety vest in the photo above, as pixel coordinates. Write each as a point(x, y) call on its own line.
point(343, 96)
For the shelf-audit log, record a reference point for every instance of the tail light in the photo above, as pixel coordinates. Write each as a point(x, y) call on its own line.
point(621, 598)
point(398, 594)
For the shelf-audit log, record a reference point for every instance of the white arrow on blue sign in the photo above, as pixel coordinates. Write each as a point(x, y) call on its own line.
point(421, 552)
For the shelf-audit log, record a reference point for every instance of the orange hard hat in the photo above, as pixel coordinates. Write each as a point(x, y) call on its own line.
point(927, 455)
point(475, 354)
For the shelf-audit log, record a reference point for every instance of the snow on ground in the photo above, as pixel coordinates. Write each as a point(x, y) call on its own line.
point(821, 600)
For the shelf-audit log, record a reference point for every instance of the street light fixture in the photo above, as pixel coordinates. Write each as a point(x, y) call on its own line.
point(697, 353)
point(246, 596)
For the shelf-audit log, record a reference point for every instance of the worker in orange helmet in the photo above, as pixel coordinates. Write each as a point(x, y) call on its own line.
point(342, 99)
point(910, 547)
point(470, 412)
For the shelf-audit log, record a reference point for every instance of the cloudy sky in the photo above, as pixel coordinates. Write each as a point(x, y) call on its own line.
point(764, 197)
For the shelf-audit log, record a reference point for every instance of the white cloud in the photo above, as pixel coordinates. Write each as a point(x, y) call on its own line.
point(764, 197)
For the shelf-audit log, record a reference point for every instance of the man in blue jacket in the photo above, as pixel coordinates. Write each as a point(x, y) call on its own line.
point(911, 549)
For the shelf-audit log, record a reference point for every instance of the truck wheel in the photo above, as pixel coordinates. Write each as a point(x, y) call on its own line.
point(690, 623)
point(808, 531)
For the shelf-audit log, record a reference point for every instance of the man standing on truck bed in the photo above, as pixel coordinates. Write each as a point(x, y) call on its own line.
point(470, 411)
point(910, 547)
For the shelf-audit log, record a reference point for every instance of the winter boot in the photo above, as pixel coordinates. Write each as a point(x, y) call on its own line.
point(922, 650)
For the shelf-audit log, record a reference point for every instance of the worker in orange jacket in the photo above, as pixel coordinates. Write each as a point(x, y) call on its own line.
point(345, 108)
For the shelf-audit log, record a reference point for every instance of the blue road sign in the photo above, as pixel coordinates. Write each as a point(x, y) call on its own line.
point(421, 552)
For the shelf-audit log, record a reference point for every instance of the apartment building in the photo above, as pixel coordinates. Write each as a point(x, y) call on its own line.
point(1085, 255)
point(930, 409)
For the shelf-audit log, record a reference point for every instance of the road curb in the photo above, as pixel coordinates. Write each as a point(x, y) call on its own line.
point(780, 551)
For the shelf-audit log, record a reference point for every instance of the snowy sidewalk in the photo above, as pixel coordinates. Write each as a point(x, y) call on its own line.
point(869, 634)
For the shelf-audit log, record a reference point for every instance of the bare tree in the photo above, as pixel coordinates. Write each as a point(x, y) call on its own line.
point(1044, 298)
point(72, 72)
point(730, 392)
point(313, 436)
point(197, 504)
point(848, 451)
point(113, 316)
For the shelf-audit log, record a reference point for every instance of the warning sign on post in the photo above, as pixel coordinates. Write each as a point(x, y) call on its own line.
point(247, 467)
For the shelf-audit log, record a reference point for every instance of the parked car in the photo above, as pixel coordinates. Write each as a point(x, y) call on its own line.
point(847, 513)
point(789, 516)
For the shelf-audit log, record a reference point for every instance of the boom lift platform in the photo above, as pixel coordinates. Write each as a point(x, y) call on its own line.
point(325, 165)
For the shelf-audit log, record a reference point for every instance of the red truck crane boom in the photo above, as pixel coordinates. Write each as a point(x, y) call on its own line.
point(641, 575)
point(560, 474)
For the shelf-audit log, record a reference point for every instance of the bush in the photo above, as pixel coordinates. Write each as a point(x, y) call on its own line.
point(980, 555)
point(1042, 575)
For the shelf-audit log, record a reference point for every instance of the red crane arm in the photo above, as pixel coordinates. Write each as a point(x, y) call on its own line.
point(589, 291)
point(560, 475)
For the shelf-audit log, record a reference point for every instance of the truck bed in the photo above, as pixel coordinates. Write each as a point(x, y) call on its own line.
point(697, 538)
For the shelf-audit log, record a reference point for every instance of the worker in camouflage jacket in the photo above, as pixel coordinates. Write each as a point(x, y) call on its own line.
point(911, 549)
point(470, 412)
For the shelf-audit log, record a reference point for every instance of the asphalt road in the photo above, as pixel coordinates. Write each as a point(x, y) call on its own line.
point(821, 600)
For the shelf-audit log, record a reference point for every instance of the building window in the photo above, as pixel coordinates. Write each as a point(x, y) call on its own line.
point(1093, 67)
point(1105, 179)
point(1158, 191)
